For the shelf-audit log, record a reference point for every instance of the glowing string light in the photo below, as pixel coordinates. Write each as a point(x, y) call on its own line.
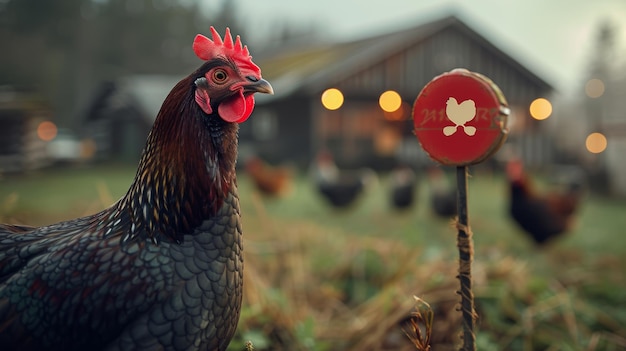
point(332, 99)
point(540, 109)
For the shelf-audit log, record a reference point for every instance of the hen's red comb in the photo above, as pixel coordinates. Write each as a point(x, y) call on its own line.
point(207, 49)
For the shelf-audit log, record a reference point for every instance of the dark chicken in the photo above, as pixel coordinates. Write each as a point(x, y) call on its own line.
point(542, 216)
point(442, 193)
point(340, 188)
point(403, 187)
point(162, 268)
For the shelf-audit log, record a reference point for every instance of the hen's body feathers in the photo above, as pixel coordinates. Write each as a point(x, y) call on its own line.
point(71, 286)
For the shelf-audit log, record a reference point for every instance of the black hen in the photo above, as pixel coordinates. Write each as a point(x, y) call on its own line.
point(403, 183)
point(442, 194)
point(161, 269)
point(340, 188)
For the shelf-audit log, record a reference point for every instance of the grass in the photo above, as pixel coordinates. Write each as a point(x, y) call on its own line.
point(51, 195)
point(320, 279)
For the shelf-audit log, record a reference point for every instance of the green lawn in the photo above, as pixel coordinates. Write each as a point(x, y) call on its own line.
point(320, 279)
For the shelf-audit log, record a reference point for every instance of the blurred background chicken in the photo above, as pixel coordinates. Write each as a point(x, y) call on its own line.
point(542, 216)
point(403, 183)
point(442, 193)
point(269, 180)
point(340, 188)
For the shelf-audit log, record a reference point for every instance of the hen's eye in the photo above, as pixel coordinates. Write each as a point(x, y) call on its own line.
point(219, 76)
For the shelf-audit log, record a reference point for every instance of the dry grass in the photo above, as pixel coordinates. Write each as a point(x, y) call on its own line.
point(314, 287)
point(355, 294)
point(421, 325)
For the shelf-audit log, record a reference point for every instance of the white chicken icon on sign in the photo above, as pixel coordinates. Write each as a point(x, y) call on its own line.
point(460, 114)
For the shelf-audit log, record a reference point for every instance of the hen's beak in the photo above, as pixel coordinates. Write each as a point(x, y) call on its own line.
point(259, 86)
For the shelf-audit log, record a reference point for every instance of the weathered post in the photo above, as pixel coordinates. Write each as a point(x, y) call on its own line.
point(460, 120)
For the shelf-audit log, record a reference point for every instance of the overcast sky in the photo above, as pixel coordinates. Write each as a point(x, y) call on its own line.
point(551, 37)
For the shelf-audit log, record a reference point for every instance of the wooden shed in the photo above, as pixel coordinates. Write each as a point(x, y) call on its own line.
point(121, 113)
point(20, 115)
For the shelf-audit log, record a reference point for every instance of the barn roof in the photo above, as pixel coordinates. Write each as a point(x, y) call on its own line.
point(314, 67)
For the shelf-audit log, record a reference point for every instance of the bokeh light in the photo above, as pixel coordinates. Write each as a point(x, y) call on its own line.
point(594, 88)
point(47, 131)
point(332, 99)
point(596, 143)
point(540, 109)
point(390, 101)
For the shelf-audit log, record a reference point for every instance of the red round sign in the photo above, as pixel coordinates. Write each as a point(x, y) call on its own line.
point(460, 118)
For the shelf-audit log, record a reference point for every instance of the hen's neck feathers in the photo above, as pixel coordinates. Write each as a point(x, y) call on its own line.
point(186, 170)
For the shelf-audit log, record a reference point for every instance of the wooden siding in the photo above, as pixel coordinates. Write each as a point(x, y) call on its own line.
point(410, 69)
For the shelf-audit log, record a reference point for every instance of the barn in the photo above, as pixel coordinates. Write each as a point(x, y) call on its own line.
point(293, 126)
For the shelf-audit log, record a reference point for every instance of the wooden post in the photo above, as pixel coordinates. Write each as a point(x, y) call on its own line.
point(466, 256)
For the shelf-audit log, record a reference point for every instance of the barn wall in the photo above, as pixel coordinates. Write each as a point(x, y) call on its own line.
point(410, 69)
point(279, 132)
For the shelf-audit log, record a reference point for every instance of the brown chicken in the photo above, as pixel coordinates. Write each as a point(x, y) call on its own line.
point(269, 180)
point(542, 216)
point(161, 269)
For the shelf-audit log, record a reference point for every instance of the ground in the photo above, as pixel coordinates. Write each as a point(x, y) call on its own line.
point(321, 279)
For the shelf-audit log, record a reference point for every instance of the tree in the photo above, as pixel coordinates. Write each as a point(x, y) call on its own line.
point(603, 54)
point(62, 49)
point(597, 103)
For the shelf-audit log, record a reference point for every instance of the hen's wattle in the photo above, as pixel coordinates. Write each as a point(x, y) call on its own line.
point(160, 269)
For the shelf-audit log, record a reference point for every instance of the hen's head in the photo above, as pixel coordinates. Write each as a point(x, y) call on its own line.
point(228, 79)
